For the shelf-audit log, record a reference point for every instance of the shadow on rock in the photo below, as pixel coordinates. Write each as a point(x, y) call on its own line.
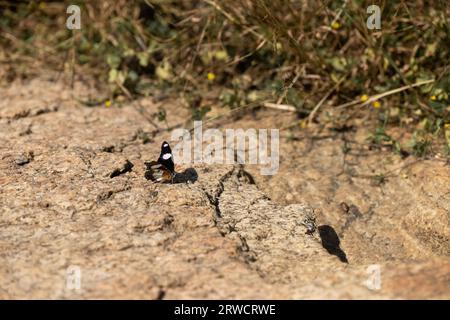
point(331, 242)
point(188, 175)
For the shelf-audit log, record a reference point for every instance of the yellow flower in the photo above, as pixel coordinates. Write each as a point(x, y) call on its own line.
point(335, 25)
point(433, 98)
point(211, 76)
point(303, 124)
point(376, 104)
point(364, 97)
point(108, 103)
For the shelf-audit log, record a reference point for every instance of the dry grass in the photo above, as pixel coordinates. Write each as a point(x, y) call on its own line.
point(304, 56)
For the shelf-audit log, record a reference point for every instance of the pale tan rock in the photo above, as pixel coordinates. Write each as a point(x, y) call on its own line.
point(219, 237)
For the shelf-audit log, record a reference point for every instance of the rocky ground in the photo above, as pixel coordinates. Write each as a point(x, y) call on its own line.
point(74, 197)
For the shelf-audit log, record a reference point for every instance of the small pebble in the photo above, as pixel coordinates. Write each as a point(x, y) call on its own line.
point(22, 160)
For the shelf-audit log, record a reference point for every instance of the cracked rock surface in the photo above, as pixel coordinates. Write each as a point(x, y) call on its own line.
point(74, 200)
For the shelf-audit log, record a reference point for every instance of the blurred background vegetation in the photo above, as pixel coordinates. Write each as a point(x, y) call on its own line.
point(286, 54)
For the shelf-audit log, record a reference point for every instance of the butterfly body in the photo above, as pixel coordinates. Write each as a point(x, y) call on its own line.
point(162, 170)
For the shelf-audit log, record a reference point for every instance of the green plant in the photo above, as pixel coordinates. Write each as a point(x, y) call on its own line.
point(420, 145)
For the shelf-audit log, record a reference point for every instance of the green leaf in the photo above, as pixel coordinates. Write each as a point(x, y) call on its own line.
point(143, 58)
point(113, 61)
point(338, 63)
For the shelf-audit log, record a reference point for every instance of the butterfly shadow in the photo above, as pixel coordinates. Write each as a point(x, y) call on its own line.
point(189, 175)
point(331, 242)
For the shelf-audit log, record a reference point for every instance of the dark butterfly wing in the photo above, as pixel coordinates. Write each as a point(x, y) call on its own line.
point(166, 157)
point(157, 172)
point(162, 170)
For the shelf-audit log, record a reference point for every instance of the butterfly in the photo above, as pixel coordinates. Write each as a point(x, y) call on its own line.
point(162, 170)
